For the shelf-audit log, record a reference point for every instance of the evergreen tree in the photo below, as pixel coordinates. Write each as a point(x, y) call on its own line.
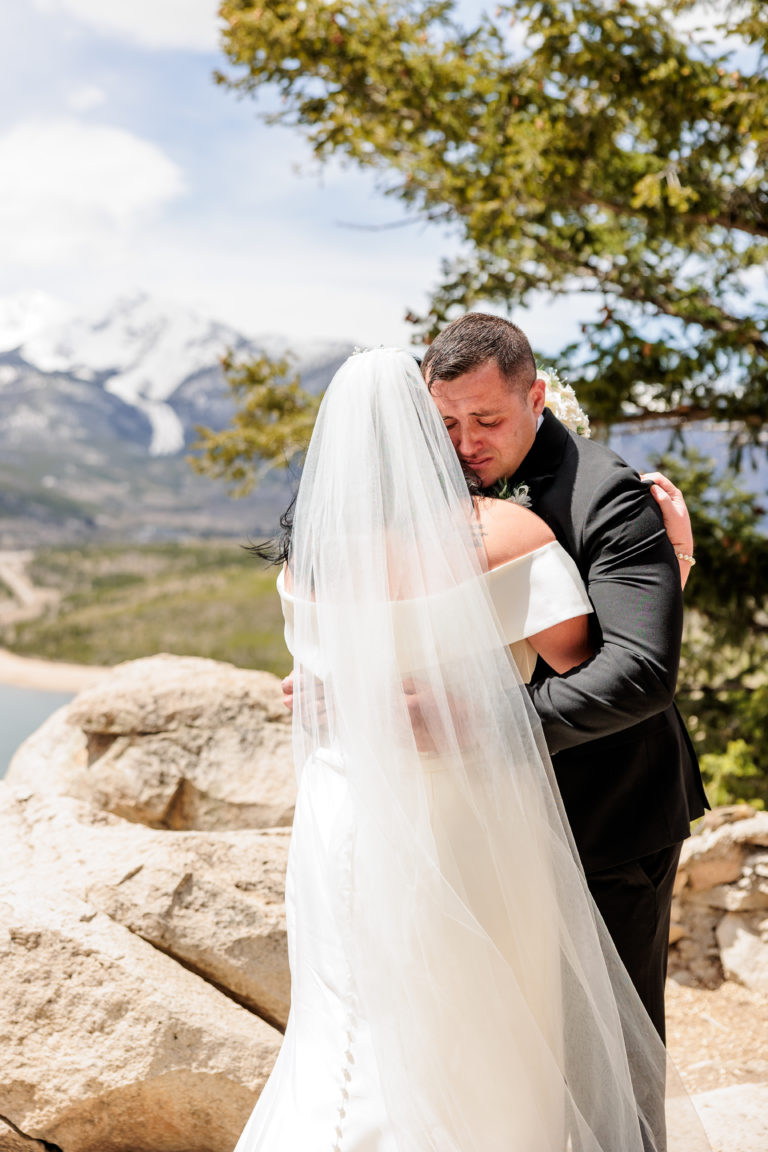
point(599, 150)
point(574, 145)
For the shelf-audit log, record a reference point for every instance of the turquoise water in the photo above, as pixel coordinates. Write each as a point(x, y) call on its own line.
point(22, 710)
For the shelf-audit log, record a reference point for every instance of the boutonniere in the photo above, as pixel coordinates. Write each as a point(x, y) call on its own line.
point(520, 494)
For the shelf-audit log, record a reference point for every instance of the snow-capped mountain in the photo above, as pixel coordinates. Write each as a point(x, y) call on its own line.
point(96, 410)
point(140, 350)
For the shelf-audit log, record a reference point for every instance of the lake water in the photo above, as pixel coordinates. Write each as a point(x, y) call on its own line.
point(22, 710)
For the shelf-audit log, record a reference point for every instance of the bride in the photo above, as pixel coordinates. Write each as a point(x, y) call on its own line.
point(453, 986)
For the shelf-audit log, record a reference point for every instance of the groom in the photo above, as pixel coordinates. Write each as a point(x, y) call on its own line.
point(625, 765)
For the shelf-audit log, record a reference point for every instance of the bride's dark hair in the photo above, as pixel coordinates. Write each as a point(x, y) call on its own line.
point(278, 549)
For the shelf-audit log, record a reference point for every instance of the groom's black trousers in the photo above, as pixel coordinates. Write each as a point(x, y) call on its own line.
point(635, 900)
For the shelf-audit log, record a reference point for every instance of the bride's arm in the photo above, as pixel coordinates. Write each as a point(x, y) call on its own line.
point(567, 645)
point(508, 532)
point(564, 645)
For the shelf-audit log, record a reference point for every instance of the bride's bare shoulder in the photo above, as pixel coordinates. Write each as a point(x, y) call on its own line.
point(509, 530)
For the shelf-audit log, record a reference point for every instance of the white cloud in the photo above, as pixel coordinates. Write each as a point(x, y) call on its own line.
point(190, 24)
point(67, 188)
point(86, 98)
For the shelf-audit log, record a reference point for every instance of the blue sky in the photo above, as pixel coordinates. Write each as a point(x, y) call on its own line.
point(124, 168)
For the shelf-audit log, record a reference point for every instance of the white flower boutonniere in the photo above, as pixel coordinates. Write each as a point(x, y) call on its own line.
point(520, 494)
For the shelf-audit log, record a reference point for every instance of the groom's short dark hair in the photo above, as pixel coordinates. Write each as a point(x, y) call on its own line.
point(474, 339)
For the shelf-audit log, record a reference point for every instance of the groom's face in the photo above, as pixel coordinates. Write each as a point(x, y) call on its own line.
point(492, 424)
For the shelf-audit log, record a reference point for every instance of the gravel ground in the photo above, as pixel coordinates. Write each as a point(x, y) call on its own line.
point(717, 1037)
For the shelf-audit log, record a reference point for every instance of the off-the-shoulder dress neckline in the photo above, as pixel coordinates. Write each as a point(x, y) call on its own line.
point(488, 572)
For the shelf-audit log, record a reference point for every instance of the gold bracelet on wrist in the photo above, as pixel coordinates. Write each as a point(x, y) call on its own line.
point(685, 556)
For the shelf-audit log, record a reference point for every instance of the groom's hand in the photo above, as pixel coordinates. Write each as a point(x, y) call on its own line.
point(287, 686)
point(316, 691)
point(419, 704)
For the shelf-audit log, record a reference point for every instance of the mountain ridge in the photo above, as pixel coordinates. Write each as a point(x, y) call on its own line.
point(139, 349)
point(97, 411)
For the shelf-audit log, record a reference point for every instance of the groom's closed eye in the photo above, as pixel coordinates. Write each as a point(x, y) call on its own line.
point(483, 421)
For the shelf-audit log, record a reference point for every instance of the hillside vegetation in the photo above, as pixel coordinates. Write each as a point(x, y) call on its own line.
point(194, 599)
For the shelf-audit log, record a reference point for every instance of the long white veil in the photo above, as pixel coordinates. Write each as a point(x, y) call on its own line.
point(501, 1017)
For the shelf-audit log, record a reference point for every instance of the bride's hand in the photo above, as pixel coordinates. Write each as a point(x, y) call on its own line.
point(677, 522)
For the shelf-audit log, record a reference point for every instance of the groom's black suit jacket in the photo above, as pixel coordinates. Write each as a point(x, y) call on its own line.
point(624, 762)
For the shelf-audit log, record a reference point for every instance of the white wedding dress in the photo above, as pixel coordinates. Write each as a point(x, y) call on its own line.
point(453, 986)
point(324, 1094)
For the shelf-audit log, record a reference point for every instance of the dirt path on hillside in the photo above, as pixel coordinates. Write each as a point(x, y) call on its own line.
point(28, 600)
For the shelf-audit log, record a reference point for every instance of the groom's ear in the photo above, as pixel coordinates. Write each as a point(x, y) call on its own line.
point(538, 395)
